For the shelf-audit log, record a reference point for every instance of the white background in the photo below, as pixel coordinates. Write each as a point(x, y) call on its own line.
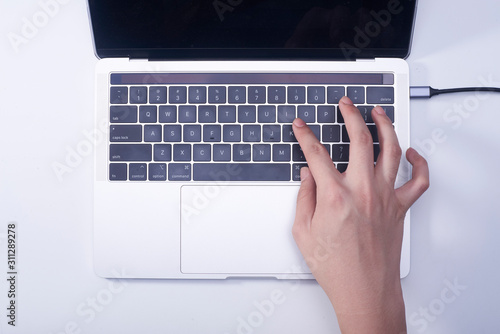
point(46, 101)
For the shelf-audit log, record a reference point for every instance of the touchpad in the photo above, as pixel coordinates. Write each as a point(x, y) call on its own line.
point(239, 230)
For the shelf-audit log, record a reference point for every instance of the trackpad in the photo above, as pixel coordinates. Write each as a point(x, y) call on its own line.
point(239, 230)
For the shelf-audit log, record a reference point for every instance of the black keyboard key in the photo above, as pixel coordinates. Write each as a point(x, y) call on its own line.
point(117, 172)
point(192, 133)
point(315, 95)
point(177, 94)
point(307, 114)
point(147, 114)
point(152, 133)
point(340, 118)
point(276, 94)
point(257, 94)
point(123, 114)
point(345, 136)
point(380, 95)
point(334, 94)
point(261, 152)
point(371, 127)
point(172, 133)
point(366, 113)
point(246, 114)
point(296, 171)
point(197, 94)
point(271, 133)
point(227, 114)
point(125, 133)
point(288, 135)
point(267, 114)
point(222, 152)
point(162, 152)
point(202, 152)
point(130, 152)
point(341, 167)
point(356, 94)
point(231, 133)
point(182, 152)
point(296, 95)
point(297, 154)
point(187, 114)
point(211, 133)
point(389, 110)
point(217, 94)
point(340, 152)
point(157, 94)
point(376, 151)
point(206, 114)
point(168, 114)
point(138, 95)
point(251, 133)
point(179, 172)
point(237, 94)
point(326, 114)
point(242, 152)
point(157, 172)
point(316, 130)
point(373, 131)
point(286, 114)
point(118, 95)
point(331, 133)
point(281, 152)
point(137, 172)
point(241, 172)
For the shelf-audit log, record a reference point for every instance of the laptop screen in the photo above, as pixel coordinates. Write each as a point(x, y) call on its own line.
point(252, 29)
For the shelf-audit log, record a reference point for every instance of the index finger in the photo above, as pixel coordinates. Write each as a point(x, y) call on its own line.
point(319, 161)
point(361, 142)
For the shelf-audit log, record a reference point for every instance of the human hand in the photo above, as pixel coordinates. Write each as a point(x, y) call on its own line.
point(349, 226)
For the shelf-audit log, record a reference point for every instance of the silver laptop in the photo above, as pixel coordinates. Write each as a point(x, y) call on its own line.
point(199, 174)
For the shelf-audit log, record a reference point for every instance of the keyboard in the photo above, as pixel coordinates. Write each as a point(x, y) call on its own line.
point(171, 127)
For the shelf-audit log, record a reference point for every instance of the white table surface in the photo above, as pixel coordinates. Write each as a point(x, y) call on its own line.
point(46, 101)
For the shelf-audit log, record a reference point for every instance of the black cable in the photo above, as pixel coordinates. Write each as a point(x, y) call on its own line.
point(428, 91)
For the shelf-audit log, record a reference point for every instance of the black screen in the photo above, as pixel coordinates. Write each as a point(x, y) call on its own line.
point(252, 29)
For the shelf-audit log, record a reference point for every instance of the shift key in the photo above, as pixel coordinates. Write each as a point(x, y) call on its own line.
point(130, 152)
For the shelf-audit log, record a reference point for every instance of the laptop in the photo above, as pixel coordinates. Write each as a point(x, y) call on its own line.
point(199, 172)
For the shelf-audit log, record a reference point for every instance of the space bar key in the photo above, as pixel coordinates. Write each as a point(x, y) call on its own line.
point(241, 172)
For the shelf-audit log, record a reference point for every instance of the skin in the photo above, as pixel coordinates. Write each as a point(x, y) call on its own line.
point(349, 226)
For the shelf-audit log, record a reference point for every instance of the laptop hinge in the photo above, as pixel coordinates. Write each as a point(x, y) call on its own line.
point(365, 60)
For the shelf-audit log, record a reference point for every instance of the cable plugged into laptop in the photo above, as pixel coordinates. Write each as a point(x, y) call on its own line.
point(425, 92)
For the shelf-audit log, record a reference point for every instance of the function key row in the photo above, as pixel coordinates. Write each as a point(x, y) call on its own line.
point(251, 94)
point(233, 114)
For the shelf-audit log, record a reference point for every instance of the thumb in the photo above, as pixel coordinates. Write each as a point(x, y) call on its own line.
point(306, 202)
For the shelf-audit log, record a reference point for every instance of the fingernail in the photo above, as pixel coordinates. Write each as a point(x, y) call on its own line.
point(299, 122)
point(304, 173)
point(346, 100)
point(380, 110)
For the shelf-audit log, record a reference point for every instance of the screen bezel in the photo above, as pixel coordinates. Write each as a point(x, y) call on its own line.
point(248, 53)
